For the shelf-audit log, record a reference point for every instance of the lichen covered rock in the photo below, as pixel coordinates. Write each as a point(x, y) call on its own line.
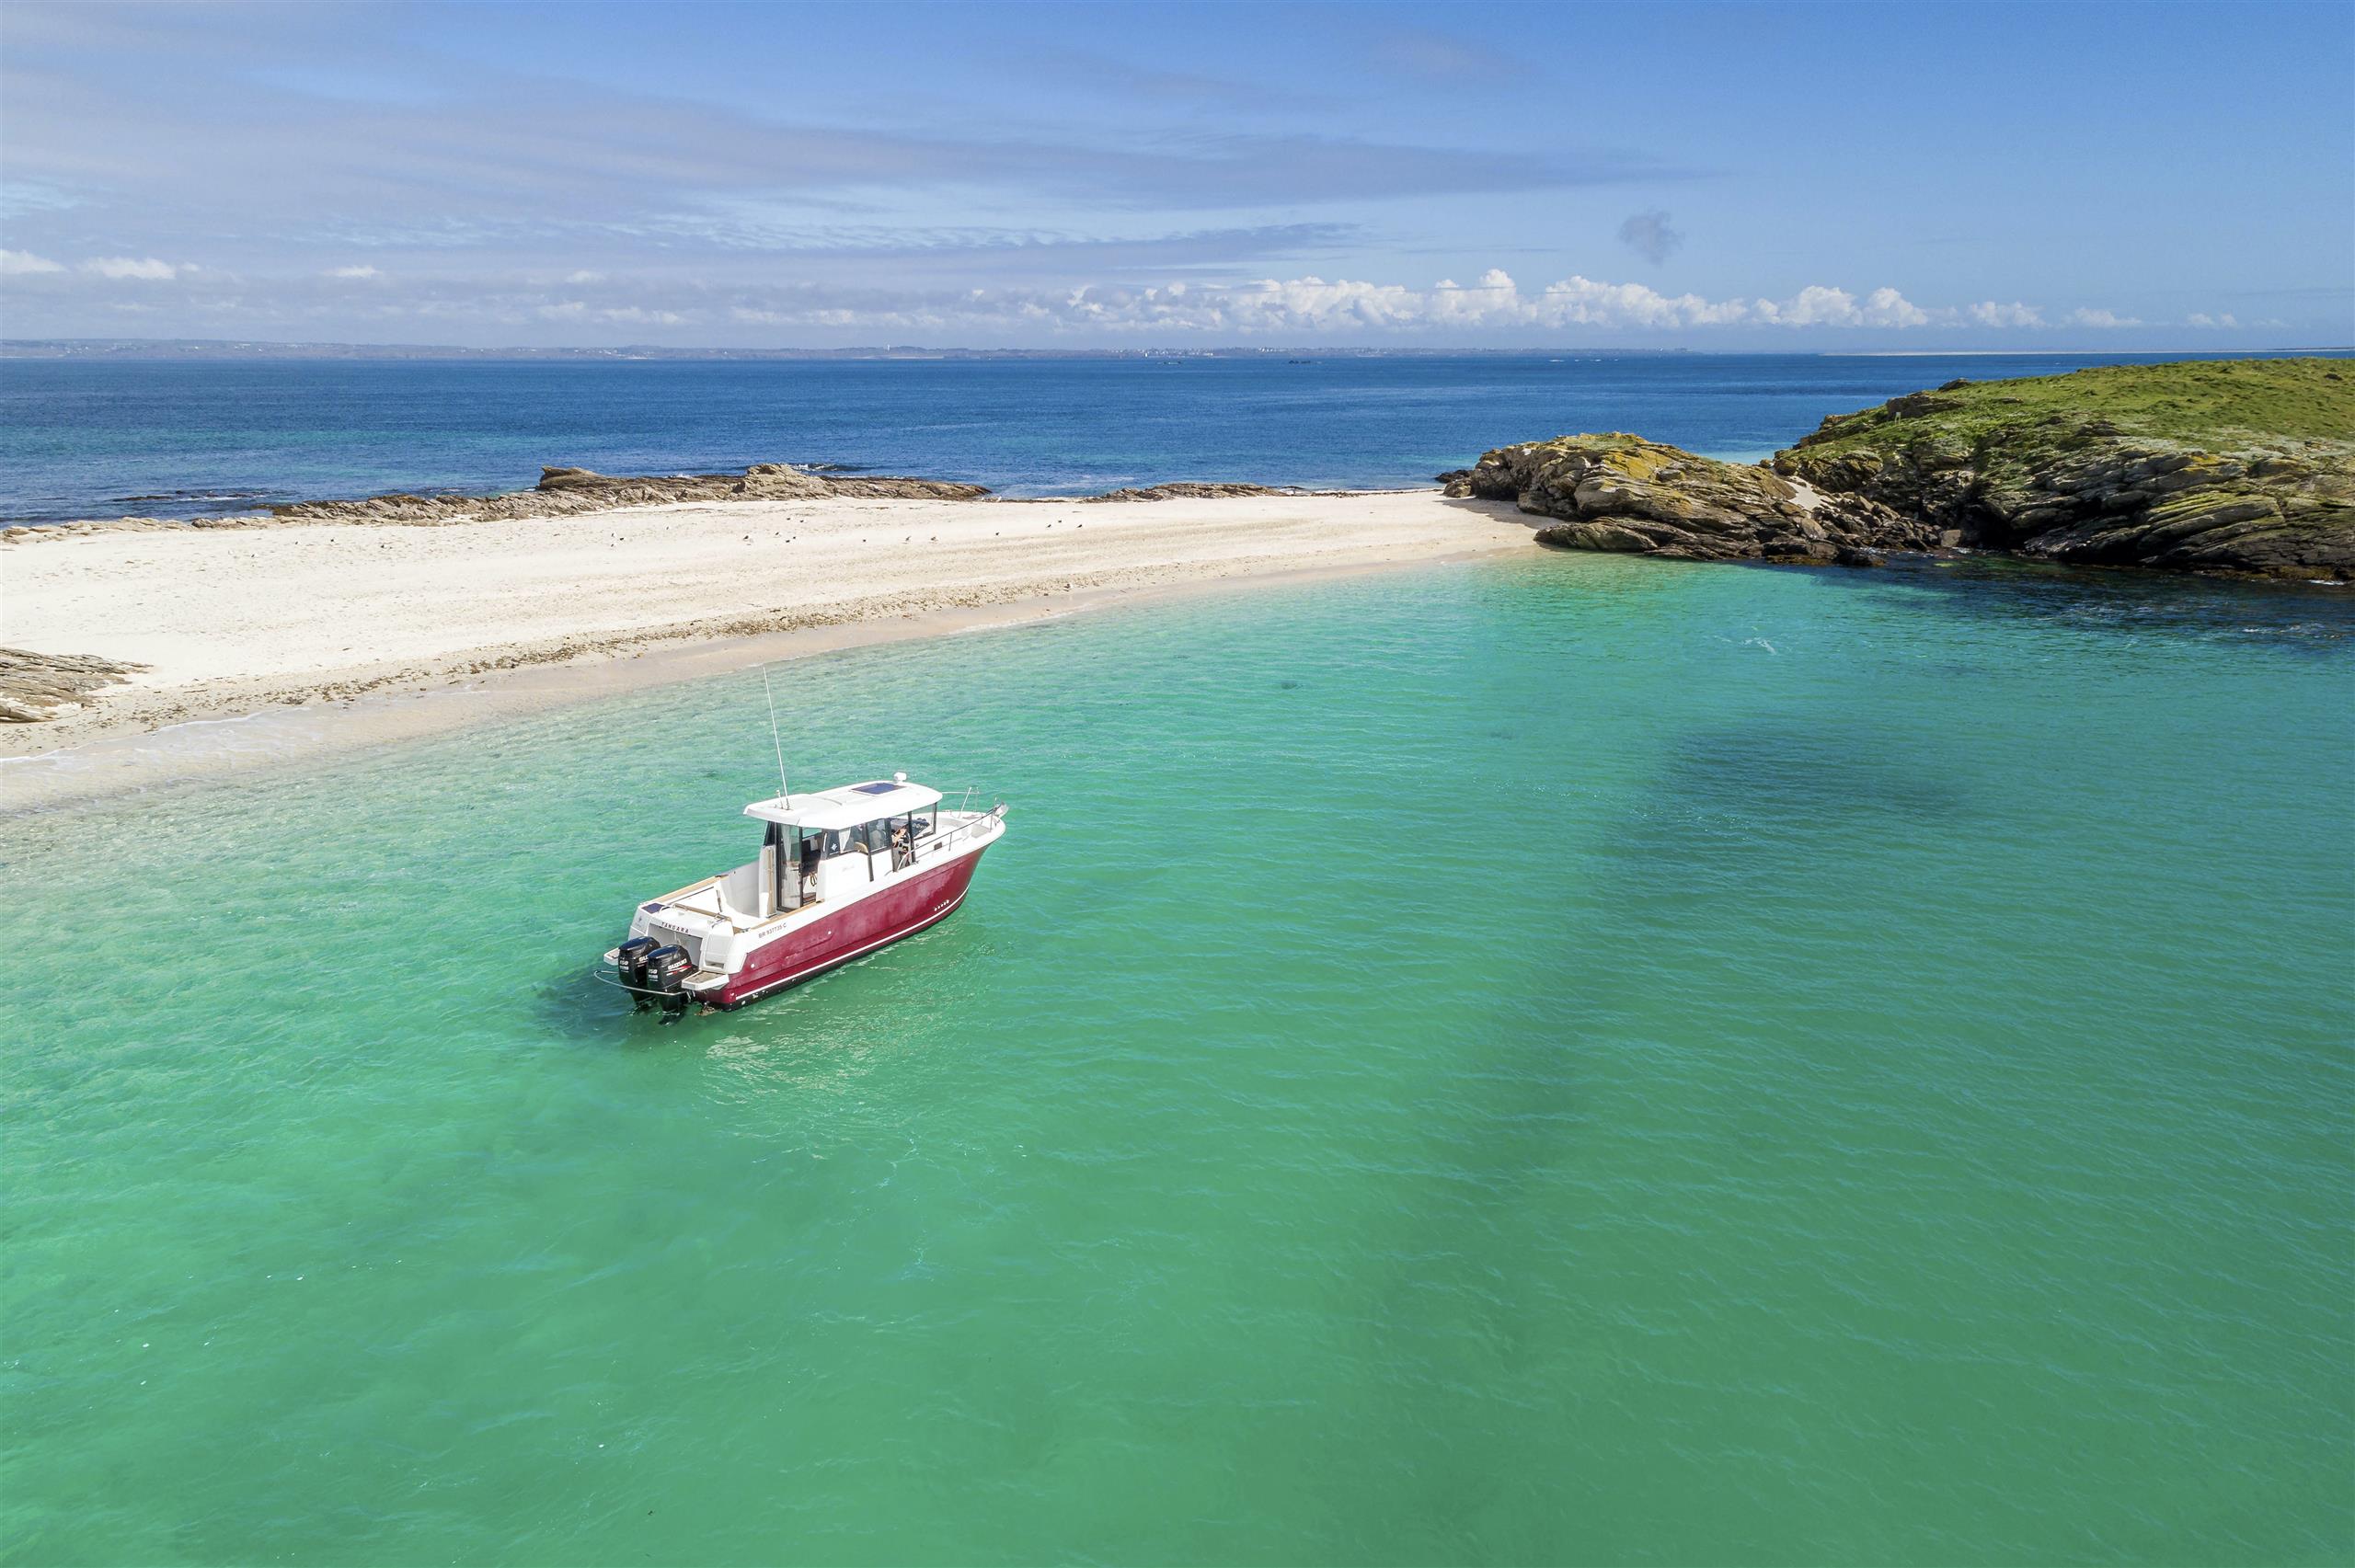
point(1620, 492)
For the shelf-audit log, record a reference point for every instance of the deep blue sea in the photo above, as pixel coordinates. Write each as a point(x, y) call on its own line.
point(95, 438)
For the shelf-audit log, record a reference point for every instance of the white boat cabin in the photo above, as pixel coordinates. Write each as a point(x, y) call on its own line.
point(834, 843)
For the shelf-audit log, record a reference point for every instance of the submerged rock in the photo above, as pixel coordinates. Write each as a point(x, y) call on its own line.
point(35, 686)
point(1620, 492)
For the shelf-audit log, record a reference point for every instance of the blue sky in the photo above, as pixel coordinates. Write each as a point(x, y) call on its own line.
point(1840, 177)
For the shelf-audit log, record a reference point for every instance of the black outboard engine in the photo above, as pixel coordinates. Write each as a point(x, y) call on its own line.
point(666, 970)
point(629, 968)
point(629, 959)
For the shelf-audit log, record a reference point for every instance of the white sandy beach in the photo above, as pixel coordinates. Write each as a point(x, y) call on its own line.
point(236, 622)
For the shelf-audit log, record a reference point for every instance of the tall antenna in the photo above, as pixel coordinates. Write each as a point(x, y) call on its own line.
point(783, 795)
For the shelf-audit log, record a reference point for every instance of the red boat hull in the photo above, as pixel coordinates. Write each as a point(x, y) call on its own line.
point(858, 928)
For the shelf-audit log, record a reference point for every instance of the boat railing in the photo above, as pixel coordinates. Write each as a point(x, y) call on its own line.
point(974, 824)
point(940, 839)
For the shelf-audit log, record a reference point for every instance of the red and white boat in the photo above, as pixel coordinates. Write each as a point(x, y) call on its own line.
point(841, 873)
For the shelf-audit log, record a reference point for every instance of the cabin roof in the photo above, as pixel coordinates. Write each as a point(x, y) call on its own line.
point(847, 806)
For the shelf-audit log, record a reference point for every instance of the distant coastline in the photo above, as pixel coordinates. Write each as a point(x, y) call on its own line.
point(234, 348)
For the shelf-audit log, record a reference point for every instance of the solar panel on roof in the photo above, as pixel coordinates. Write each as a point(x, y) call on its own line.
point(875, 788)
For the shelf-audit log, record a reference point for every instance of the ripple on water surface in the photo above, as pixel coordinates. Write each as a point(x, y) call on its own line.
point(1561, 1060)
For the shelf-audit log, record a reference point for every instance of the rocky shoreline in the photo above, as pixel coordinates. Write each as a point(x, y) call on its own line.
point(1619, 492)
point(562, 492)
point(567, 492)
point(2240, 468)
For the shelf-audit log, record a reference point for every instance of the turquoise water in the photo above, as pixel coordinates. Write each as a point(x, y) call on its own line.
point(1569, 1060)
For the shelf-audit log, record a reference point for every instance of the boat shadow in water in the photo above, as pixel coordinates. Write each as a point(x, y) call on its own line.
point(570, 1002)
point(2130, 601)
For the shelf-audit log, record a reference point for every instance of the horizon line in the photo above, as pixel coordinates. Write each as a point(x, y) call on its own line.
point(13, 347)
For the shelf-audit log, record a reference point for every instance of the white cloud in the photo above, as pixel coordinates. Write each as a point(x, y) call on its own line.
point(1817, 306)
point(2201, 318)
point(2105, 318)
point(1492, 307)
point(121, 267)
point(585, 278)
point(582, 309)
point(1493, 301)
point(1988, 313)
point(1268, 306)
point(1581, 301)
point(23, 263)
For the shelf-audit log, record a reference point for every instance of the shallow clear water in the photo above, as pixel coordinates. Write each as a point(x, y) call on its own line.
point(1573, 1058)
point(82, 439)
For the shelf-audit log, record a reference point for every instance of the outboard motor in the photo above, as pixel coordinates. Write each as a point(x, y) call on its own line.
point(629, 968)
point(666, 971)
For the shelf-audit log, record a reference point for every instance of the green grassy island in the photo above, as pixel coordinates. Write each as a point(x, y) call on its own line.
point(2240, 466)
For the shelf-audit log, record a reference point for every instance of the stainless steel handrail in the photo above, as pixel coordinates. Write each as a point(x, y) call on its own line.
point(943, 839)
point(936, 838)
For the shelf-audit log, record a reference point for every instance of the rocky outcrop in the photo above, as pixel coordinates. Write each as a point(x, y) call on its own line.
point(2244, 468)
point(565, 492)
point(1187, 490)
point(782, 481)
point(562, 492)
point(1623, 493)
point(35, 686)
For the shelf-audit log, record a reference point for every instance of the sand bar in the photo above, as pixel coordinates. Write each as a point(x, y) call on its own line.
point(265, 644)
